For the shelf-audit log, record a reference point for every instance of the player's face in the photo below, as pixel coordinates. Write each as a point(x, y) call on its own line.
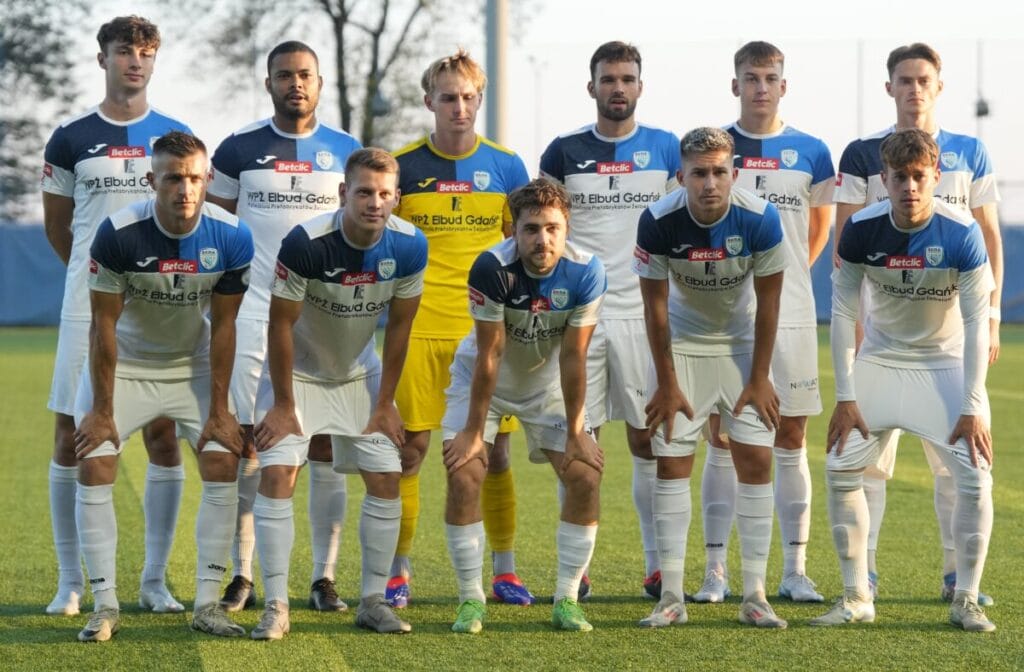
point(911, 192)
point(540, 238)
point(128, 66)
point(915, 86)
point(294, 85)
point(454, 102)
point(369, 197)
point(759, 88)
point(180, 186)
point(708, 179)
point(616, 88)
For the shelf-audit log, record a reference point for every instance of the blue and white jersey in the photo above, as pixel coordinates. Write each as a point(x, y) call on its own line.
point(611, 181)
point(102, 164)
point(710, 268)
point(536, 312)
point(792, 171)
point(344, 289)
point(913, 279)
point(167, 280)
point(966, 180)
point(278, 180)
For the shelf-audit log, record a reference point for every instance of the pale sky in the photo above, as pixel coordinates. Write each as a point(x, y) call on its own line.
point(687, 68)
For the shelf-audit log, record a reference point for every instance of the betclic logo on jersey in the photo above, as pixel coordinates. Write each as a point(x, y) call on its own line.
point(904, 262)
point(188, 266)
point(614, 167)
point(293, 167)
point(126, 152)
point(705, 254)
point(359, 278)
point(760, 163)
point(454, 187)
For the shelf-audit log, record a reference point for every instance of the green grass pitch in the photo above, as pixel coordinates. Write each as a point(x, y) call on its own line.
point(911, 632)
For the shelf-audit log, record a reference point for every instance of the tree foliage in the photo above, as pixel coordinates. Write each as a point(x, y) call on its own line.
point(37, 80)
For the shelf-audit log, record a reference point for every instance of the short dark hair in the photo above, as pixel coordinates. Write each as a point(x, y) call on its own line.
point(909, 51)
point(758, 53)
point(536, 194)
point(291, 47)
point(909, 147)
point(614, 52)
point(179, 144)
point(133, 30)
point(373, 159)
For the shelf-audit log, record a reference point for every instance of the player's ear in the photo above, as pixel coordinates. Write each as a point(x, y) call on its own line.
point(151, 178)
point(266, 84)
point(888, 88)
point(320, 80)
point(101, 58)
point(679, 176)
point(428, 100)
point(640, 88)
point(940, 86)
point(735, 87)
point(782, 87)
point(590, 89)
point(341, 192)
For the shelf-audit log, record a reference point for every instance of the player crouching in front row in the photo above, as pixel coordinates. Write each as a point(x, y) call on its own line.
point(921, 367)
point(535, 301)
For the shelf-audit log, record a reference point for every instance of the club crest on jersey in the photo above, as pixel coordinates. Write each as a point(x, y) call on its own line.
point(948, 159)
point(642, 158)
point(208, 257)
point(386, 268)
point(324, 159)
point(734, 244)
point(934, 254)
point(481, 179)
point(560, 297)
point(789, 157)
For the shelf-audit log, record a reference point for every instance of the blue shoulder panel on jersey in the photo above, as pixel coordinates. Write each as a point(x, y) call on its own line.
point(488, 276)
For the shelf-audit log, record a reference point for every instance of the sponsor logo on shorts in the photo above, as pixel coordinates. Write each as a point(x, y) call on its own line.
point(126, 152)
point(904, 262)
point(614, 167)
point(293, 167)
point(760, 163)
point(705, 254)
point(363, 278)
point(454, 187)
point(178, 266)
point(281, 271)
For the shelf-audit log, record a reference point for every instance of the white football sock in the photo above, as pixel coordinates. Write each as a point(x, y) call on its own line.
point(793, 507)
point(972, 527)
point(466, 548)
point(245, 532)
point(161, 503)
point(718, 504)
point(575, 548)
point(97, 536)
point(672, 512)
point(644, 474)
point(63, 488)
point(275, 535)
point(754, 503)
point(215, 521)
point(379, 521)
point(874, 494)
point(945, 501)
point(848, 514)
point(328, 496)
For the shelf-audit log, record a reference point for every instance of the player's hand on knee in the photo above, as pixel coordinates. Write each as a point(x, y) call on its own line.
point(279, 422)
point(466, 446)
point(661, 410)
point(582, 448)
point(760, 393)
point(845, 418)
point(222, 428)
point(95, 429)
point(974, 432)
point(387, 421)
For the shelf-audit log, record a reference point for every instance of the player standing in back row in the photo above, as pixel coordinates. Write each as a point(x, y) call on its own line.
point(613, 169)
point(274, 174)
point(95, 164)
point(966, 181)
point(793, 171)
point(455, 187)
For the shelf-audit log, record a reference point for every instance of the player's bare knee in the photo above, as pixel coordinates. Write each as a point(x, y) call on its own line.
point(161, 441)
point(383, 485)
point(98, 470)
point(498, 459)
point(278, 481)
point(639, 441)
point(64, 440)
point(753, 463)
point(672, 468)
point(413, 451)
point(791, 433)
point(467, 479)
point(581, 479)
point(217, 466)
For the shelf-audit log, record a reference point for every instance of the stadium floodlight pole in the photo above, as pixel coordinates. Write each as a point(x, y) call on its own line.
point(497, 59)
